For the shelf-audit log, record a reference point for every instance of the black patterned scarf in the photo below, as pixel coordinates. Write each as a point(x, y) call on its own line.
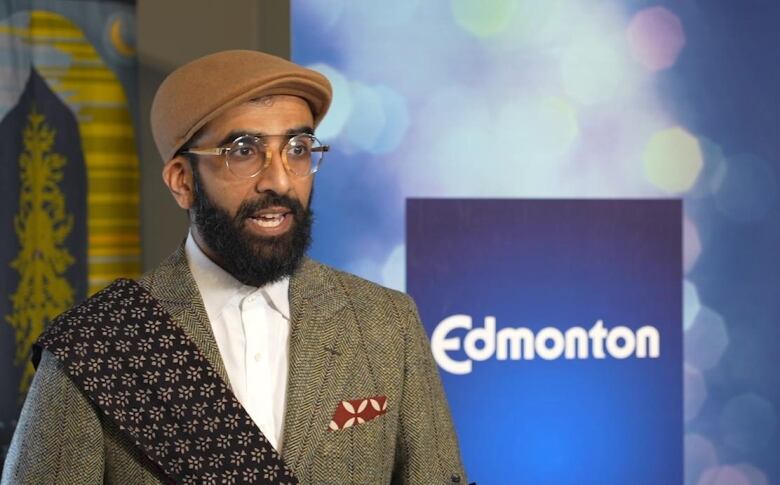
point(145, 374)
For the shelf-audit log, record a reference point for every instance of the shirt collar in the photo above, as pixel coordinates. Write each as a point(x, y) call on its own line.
point(217, 286)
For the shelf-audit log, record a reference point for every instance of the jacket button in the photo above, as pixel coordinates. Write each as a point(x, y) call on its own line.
point(455, 478)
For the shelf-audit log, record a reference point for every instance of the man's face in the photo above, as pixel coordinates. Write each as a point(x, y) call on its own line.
point(255, 228)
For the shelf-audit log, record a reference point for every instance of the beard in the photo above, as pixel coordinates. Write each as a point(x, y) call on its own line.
point(252, 259)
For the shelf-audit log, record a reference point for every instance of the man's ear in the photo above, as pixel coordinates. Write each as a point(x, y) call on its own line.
point(177, 175)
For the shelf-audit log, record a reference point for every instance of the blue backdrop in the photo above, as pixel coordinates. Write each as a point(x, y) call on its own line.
point(557, 264)
point(577, 99)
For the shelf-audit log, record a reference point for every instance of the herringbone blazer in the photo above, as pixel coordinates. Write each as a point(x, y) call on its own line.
point(349, 339)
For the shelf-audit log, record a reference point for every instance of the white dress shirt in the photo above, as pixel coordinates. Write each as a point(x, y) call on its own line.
point(252, 329)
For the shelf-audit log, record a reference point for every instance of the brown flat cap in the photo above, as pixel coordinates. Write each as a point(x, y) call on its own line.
point(201, 90)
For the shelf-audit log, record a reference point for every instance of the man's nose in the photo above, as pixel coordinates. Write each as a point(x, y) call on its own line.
point(274, 177)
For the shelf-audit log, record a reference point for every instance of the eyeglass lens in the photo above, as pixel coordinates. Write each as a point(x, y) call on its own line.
point(247, 155)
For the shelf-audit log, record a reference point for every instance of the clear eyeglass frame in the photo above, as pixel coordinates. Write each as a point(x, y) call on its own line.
point(249, 164)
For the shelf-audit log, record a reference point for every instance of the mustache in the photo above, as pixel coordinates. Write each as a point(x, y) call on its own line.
point(250, 207)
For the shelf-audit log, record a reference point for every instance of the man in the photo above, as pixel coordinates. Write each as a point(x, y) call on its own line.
point(142, 382)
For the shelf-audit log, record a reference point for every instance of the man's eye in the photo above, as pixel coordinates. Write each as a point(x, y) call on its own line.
point(298, 150)
point(243, 152)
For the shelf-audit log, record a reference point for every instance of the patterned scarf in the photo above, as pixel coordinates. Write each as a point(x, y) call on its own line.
point(124, 351)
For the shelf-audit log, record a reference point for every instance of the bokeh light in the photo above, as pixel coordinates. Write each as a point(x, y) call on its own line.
point(340, 107)
point(656, 37)
point(394, 269)
point(691, 304)
point(691, 244)
point(434, 162)
point(539, 23)
point(714, 165)
point(748, 422)
point(609, 147)
point(706, 340)
point(579, 89)
point(672, 160)
point(695, 392)
point(364, 128)
point(365, 267)
point(396, 120)
point(592, 71)
point(377, 127)
point(480, 21)
point(386, 13)
point(723, 475)
point(540, 127)
point(746, 189)
point(753, 474)
point(700, 455)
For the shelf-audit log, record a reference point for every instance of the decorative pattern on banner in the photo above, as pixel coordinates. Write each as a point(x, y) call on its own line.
point(67, 72)
point(42, 226)
point(81, 77)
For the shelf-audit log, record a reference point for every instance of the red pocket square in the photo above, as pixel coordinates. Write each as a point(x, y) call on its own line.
point(357, 411)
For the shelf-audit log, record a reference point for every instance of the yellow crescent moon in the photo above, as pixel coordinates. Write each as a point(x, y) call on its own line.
point(116, 39)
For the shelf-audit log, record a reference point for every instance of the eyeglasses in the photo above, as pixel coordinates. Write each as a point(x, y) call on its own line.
point(248, 155)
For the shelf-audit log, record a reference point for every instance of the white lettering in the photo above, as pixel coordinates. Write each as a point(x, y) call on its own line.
point(549, 334)
point(629, 343)
point(648, 337)
point(512, 338)
point(487, 335)
point(550, 343)
point(597, 335)
point(577, 338)
point(440, 344)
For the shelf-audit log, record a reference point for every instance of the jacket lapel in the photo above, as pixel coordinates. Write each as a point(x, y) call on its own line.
point(321, 338)
point(173, 286)
point(320, 341)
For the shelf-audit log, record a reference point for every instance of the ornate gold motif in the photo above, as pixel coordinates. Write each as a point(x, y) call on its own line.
point(42, 225)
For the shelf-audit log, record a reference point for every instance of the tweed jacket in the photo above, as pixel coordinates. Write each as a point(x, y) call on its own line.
point(349, 339)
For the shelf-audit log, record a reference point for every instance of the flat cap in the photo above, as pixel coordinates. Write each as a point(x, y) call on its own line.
point(201, 90)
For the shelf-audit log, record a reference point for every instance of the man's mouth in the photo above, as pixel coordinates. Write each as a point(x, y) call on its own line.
point(271, 218)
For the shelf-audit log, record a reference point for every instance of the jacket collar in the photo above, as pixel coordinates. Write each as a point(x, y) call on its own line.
point(173, 286)
point(322, 338)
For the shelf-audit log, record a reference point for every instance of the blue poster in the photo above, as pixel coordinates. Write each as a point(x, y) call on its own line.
point(557, 329)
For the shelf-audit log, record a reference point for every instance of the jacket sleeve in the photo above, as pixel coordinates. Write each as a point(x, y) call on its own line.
point(427, 448)
point(58, 438)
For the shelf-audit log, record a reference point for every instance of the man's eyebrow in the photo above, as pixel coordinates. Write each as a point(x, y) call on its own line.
point(228, 139)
